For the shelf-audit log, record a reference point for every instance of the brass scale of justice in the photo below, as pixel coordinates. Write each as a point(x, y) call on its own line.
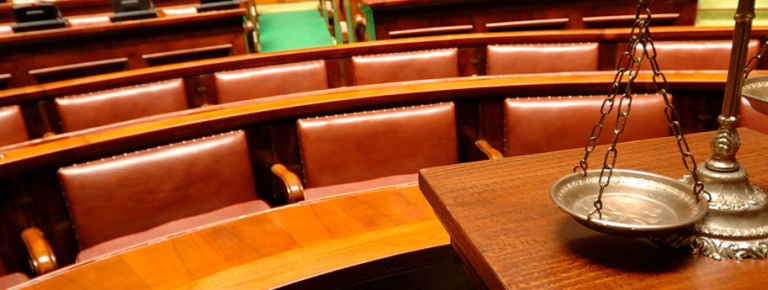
point(716, 211)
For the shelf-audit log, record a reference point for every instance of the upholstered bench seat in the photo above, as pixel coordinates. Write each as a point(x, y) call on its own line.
point(173, 227)
point(12, 127)
point(121, 104)
point(542, 124)
point(387, 181)
point(751, 118)
point(372, 149)
point(541, 58)
point(136, 197)
point(13, 279)
point(260, 82)
point(405, 66)
point(693, 55)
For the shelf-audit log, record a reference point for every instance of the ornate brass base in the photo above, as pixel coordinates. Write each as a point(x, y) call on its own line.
point(736, 225)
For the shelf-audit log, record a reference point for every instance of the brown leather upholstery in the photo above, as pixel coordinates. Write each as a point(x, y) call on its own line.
point(541, 58)
point(541, 124)
point(751, 118)
point(13, 279)
point(147, 194)
point(365, 146)
point(269, 81)
point(8, 280)
point(694, 55)
point(112, 106)
point(12, 127)
point(405, 66)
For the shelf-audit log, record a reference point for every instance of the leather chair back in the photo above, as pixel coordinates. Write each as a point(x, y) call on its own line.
point(131, 193)
point(751, 118)
point(541, 58)
point(362, 146)
point(270, 81)
point(405, 66)
point(694, 55)
point(123, 104)
point(541, 124)
point(12, 127)
point(12, 279)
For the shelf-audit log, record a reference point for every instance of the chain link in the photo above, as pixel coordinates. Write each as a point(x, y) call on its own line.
point(629, 66)
point(755, 60)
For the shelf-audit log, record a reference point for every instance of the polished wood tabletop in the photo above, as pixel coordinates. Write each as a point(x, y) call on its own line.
point(268, 249)
point(511, 235)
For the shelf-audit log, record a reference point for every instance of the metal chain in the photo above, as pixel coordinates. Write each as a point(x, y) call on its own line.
point(639, 36)
point(755, 60)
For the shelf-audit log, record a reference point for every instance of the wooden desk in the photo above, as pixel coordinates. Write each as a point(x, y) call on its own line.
point(55, 54)
point(511, 235)
point(82, 7)
point(269, 249)
point(387, 19)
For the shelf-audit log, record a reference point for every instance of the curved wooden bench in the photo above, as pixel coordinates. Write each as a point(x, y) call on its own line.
point(305, 240)
point(271, 124)
point(470, 54)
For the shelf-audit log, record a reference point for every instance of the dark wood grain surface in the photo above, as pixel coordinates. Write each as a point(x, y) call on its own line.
point(502, 221)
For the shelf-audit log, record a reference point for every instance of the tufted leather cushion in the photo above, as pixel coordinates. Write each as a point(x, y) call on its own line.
point(363, 146)
point(12, 127)
point(269, 81)
point(693, 55)
point(107, 107)
point(13, 279)
point(405, 66)
point(133, 193)
point(534, 125)
point(541, 58)
point(751, 118)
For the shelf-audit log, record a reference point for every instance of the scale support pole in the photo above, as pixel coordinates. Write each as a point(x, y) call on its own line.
point(736, 224)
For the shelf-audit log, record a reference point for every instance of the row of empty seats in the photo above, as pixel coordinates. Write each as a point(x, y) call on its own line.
point(160, 191)
point(127, 103)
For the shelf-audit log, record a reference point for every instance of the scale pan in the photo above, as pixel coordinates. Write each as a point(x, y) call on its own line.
point(635, 203)
point(756, 90)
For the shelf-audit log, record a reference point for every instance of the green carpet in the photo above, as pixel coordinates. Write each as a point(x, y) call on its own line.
point(720, 13)
point(292, 29)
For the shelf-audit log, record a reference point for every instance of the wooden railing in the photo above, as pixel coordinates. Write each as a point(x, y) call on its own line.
point(201, 89)
point(385, 19)
point(307, 250)
point(93, 45)
point(84, 7)
point(33, 196)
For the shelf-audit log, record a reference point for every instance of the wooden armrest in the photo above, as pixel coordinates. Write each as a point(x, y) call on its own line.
point(294, 188)
point(41, 254)
point(489, 151)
